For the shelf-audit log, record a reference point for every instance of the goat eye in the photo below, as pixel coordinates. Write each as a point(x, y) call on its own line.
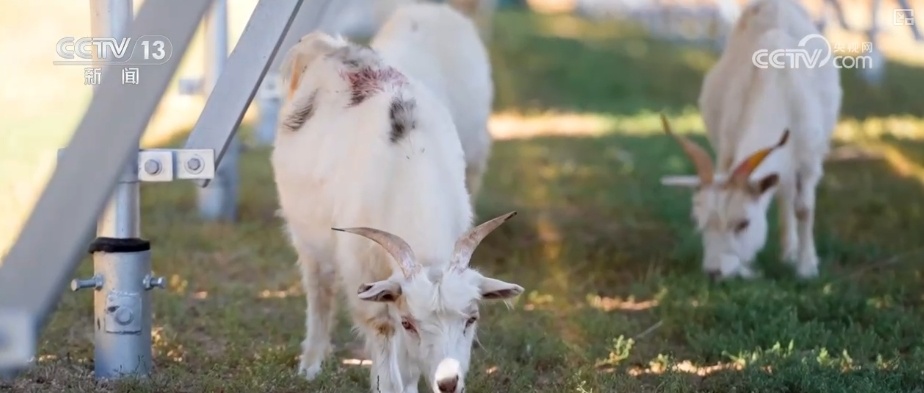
point(407, 325)
point(742, 225)
point(470, 321)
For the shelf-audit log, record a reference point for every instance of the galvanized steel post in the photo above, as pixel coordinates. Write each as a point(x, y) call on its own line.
point(121, 259)
point(218, 200)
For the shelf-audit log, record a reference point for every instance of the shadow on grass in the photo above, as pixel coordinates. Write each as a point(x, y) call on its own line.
point(565, 63)
point(570, 64)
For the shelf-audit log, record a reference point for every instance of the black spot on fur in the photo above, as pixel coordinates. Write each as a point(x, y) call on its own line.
point(303, 111)
point(401, 114)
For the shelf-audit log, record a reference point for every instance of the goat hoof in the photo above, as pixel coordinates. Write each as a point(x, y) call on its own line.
point(790, 256)
point(807, 267)
point(309, 372)
point(748, 273)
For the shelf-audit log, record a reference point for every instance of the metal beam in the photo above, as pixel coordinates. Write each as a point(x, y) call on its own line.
point(242, 74)
point(218, 201)
point(50, 245)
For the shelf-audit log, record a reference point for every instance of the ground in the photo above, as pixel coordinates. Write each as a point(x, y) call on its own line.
point(615, 300)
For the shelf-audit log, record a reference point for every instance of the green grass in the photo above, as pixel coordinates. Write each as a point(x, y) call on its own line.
point(608, 257)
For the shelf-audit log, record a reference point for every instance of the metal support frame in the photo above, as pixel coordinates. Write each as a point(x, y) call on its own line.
point(244, 71)
point(219, 200)
point(49, 246)
point(89, 172)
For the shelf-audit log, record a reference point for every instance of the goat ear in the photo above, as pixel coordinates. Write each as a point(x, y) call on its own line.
point(765, 183)
point(300, 56)
point(493, 289)
point(384, 291)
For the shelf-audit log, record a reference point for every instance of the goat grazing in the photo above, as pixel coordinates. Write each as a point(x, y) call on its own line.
point(362, 149)
point(749, 113)
point(441, 48)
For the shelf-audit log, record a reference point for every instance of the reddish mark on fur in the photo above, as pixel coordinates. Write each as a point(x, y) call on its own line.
point(368, 81)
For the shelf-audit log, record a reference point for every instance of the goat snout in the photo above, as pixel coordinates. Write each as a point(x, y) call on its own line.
point(448, 385)
point(448, 375)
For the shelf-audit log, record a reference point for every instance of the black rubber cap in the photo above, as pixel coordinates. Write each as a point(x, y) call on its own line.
point(114, 245)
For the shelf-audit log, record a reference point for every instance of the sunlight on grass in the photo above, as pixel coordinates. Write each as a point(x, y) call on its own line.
point(629, 304)
point(513, 125)
point(900, 163)
point(177, 284)
point(621, 349)
point(292, 291)
point(510, 125)
point(659, 366)
point(356, 362)
point(166, 347)
point(557, 282)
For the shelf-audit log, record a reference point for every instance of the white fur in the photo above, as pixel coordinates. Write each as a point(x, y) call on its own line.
point(339, 168)
point(746, 109)
point(441, 48)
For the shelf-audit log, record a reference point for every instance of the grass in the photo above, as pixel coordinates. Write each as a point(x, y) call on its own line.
point(614, 299)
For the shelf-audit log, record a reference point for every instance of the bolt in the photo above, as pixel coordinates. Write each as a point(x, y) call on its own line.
point(151, 282)
point(152, 167)
point(94, 282)
point(194, 164)
point(124, 316)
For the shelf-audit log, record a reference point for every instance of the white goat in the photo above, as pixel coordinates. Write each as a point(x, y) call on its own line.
point(361, 145)
point(441, 48)
point(749, 113)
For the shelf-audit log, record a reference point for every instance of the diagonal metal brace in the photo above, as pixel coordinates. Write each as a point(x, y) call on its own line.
point(50, 245)
point(242, 74)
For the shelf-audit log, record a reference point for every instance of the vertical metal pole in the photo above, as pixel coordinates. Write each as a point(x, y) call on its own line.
point(873, 75)
point(121, 259)
point(218, 200)
point(913, 25)
point(269, 102)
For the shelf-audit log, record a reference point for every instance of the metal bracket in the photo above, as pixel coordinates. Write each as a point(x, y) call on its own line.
point(165, 165)
point(123, 313)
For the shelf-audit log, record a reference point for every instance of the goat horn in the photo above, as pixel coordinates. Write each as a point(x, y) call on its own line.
point(743, 171)
point(397, 247)
point(700, 158)
point(467, 244)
